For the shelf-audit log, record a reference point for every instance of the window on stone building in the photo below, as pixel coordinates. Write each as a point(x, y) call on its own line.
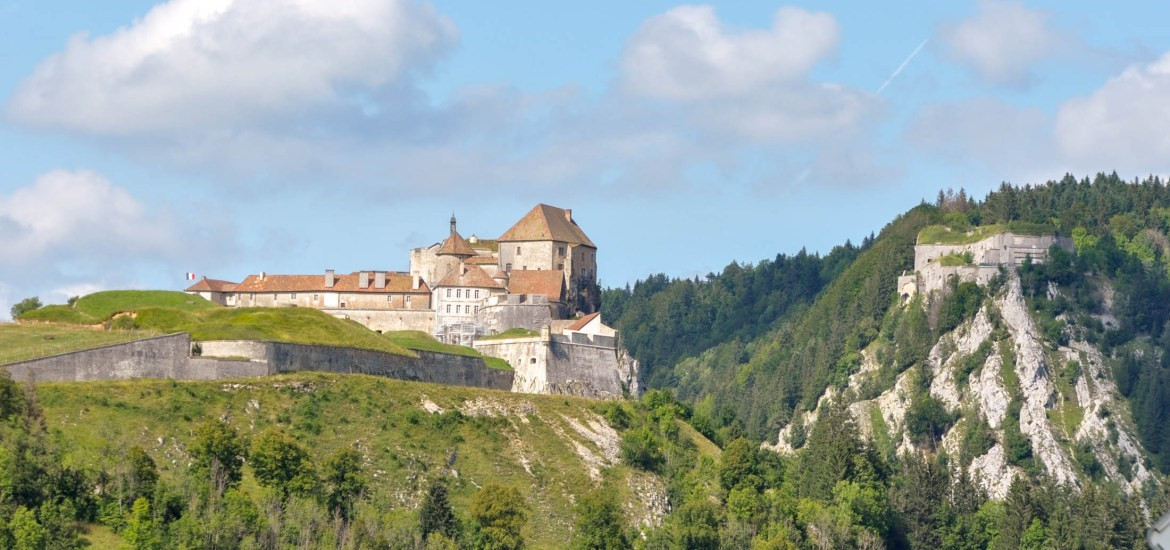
point(561, 251)
point(517, 250)
point(448, 308)
point(448, 293)
point(477, 293)
point(292, 296)
point(408, 299)
point(561, 267)
point(390, 298)
point(507, 268)
point(477, 310)
point(316, 297)
point(459, 293)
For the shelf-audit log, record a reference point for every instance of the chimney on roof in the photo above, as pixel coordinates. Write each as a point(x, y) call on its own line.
point(569, 215)
point(261, 275)
point(364, 279)
point(329, 279)
point(452, 223)
point(414, 282)
point(379, 279)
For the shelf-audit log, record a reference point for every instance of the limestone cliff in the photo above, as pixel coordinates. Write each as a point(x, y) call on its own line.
point(984, 370)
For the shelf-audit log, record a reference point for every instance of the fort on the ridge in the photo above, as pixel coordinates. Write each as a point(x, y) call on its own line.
point(977, 261)
point(539, 275)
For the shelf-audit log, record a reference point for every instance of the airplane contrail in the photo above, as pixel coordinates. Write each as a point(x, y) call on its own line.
point(902, 66)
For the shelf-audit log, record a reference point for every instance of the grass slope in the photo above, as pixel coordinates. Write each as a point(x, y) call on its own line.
point(525, 441)
point(29, 341)
point(420, 341)
point(101, 306)
point(152, 312)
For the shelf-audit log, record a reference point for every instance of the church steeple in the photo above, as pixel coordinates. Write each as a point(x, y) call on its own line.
point(452, 223)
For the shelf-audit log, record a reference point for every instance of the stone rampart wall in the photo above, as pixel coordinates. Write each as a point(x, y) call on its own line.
point(251, 349)
point(168, 357)
point(159, 357)
point(436, 368)
point(389, 320)
point(563, 365)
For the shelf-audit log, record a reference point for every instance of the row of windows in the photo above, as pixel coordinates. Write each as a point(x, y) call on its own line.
point(317, 297)
point(459, 293)
point(462, 309)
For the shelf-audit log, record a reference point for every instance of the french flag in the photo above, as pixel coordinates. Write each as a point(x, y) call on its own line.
point(190, 276)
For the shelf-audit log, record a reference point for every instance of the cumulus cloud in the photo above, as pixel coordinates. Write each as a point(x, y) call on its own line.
point(686, 53)
point(225, 64)
point(744, 87)
point(74, 231)
point(1003, 42)
point(1122, 125)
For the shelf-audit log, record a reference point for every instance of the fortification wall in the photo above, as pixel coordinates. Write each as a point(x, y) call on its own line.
point(250, 349)
point(529, 315)
point(389, 320)
point(168, 357)
point(577, 364)
point(1007, 249)
point(935, 277)
point(528, 357)
point(436, 368)
point(159, 357)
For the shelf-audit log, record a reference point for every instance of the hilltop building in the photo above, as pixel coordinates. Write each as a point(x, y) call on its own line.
point(978, 261)
point(542, 269)
point(537, 275)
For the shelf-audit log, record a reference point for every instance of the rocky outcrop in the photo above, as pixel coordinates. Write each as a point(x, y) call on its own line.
point(1005, 327)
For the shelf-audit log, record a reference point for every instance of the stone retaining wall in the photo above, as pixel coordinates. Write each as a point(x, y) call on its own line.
point(169, 357)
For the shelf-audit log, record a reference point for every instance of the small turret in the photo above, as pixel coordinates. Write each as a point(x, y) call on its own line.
point(452, 223)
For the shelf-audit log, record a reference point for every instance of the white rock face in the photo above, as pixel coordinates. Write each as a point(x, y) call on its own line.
point(986, 394)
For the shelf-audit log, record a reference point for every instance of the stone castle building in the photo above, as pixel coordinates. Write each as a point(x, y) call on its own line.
point(541, 269)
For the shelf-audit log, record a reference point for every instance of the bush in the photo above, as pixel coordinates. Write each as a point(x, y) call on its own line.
point(642, 448)
point(928, 419)
point(24, 306)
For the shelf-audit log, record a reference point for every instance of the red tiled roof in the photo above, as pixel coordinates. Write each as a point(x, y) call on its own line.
point(580, 324)
point(547, 223)
point(548, 283)
point(212, 285)
point(482, 260)
point(456, 245)
point(396, 283)
point(472, 276)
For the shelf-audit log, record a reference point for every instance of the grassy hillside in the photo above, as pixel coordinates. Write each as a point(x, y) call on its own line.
point(420, 341)
point(545, 446)
point(140, 313)
point(20, 342)
point(101, 306)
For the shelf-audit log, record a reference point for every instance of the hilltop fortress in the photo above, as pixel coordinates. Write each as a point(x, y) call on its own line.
point(539, 276)
point(978, 261)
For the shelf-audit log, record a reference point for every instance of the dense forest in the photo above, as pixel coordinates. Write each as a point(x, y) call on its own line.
point(754, 385)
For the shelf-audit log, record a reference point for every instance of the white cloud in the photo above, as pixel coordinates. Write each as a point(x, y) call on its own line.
point(686, 53)
point(226, 64)
point(1124, 124)
point(1003, 42)
point(743, 87)
point(75, 231)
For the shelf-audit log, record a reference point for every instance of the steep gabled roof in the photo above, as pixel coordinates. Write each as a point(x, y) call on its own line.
point(470, 276)
point(396, 283)
point(547, 283)
point(582, 322)
point(212, 285)
point(547, 223)
point(456, 245)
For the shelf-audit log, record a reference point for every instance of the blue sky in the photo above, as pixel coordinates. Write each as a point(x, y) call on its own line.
point(141, 140)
